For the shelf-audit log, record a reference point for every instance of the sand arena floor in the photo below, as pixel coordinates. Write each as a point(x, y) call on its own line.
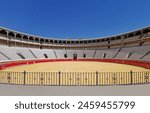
point(72, 66)
point(76, 73)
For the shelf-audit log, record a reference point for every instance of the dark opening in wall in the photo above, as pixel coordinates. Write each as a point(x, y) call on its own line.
point(36, 40)
point(98, 40)
point(72, 42)
point(47, 41)
point(45, 55)
point(131, 35)
point(113, 38)
point(25, 38)
point(55, 41)
point(125, 36)
point(81, 42)
point(75, 56)
point(146, 31)
point(77, 42)
point(89, 41)
point(85, 42)
point(84, 55)
point(138, 33)
point(93, 41)
point(65, 55)
point(104, 55)
point(18, 37)
point(118, 38)
point(42, 41)
point(60, 42)
point(3, 33)
point(64, 42)
point(11, 35)
point(51, 41)
point(103, 40)
point(31, 39)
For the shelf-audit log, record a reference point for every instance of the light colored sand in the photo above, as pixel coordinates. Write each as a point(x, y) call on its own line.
point(76, 67)
point(76, 77)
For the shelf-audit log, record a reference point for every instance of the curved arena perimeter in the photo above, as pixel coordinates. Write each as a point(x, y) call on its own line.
point(131, 50)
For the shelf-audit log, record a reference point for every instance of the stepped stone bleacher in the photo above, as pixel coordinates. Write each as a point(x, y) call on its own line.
point(11, 53)
point(18, 46)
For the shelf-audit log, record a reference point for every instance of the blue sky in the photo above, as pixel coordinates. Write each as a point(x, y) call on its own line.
point(74, 18)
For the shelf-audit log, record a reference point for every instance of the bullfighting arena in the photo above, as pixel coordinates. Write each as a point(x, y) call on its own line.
point(114, 65)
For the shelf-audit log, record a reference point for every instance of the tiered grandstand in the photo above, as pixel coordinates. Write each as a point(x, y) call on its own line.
point(133, 45)
point(132, 48)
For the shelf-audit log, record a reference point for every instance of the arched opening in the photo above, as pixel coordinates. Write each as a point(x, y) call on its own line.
point(131, 35)
point(25, 38)
point(98, 40)
point(68, 42)
point(93, 41)
point(89, 41)
point(125, 36)
point(36, 40)
point(3, 33)
point(81, 42)
point(47, 41)
point(31, 39)
point(85, 42)
point(118, 38)
point(64, 42)
point(146, 31)
point(55, 41)
point(11, 35)
point(113, 38)
point(51, 41)
point(103, 40)
point(107, 39)
point(72, 42)
point(18, 37)
point(78, 42)
point(60, 42)
point(42, 41)
point(138, 33)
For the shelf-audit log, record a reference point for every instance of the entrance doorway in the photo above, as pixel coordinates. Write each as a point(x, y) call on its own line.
point(74, 56)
